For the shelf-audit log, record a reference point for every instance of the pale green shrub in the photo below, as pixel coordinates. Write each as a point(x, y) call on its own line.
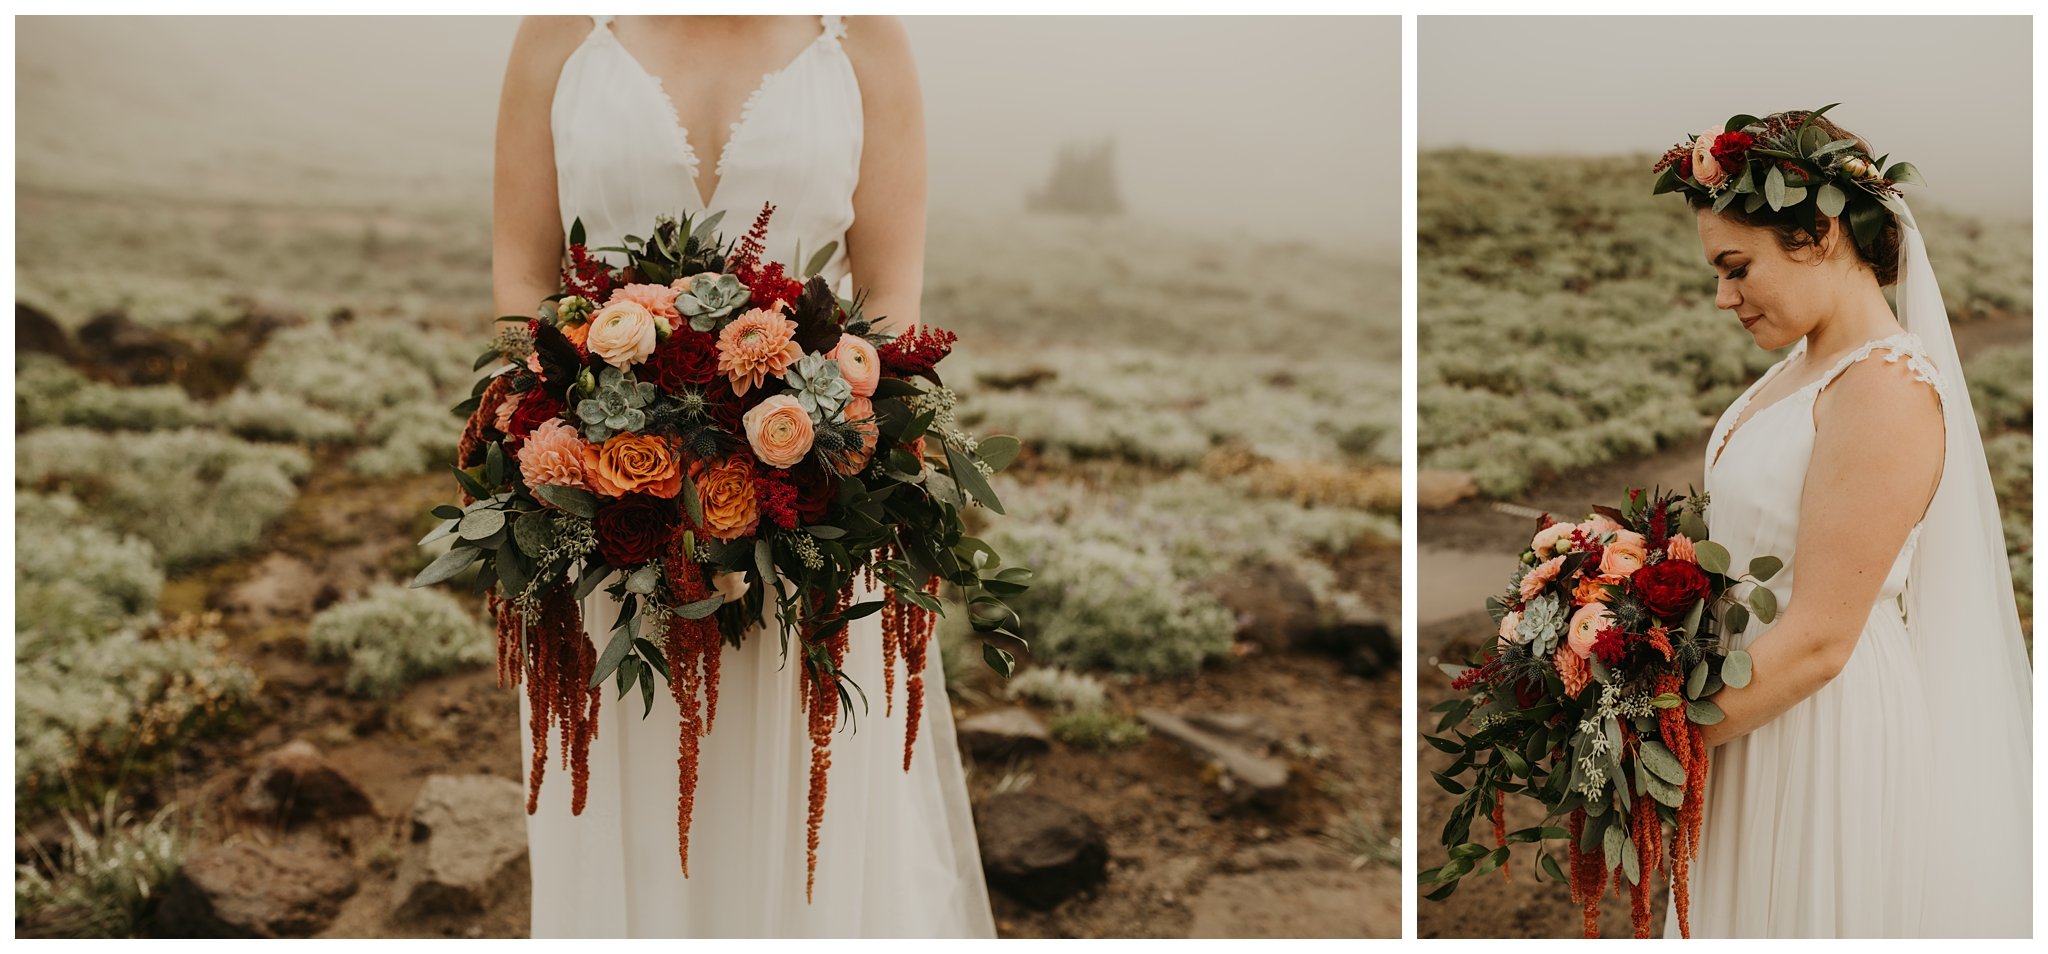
point(272, 416)
point(1053, 686)
point(75, 582)
point(395, 635)
point(1098, 729)
point(2002, 388)
point(1102, 604)
point(49, 393)
point(196, 495)
point(106, 879)
point(96, 706)
point(408, 440)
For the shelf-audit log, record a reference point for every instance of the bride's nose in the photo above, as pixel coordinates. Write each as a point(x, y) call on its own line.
point(1725, 296)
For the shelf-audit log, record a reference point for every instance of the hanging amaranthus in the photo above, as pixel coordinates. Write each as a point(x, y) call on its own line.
point(820, 695)
point(559, 661)
point(906, 631)
point(692, 648)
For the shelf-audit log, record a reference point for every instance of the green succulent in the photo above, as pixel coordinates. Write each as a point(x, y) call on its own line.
point(618, 405)
point(820, 388)
point(710, 297)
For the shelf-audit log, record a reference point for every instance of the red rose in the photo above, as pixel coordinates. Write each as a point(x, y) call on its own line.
point(728, 410)
point(534, 410)
point(816, 489)
point(1731, 149)
point(633, 529)
point(686, 358)
point(1670, 587)
point(1685, 166)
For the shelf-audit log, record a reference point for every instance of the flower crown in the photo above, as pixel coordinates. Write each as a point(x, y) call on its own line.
point(1786, 166)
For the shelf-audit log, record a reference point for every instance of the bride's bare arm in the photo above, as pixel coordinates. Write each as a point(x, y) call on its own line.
point(526, 225)
point(885, 245)
point(1877, 454)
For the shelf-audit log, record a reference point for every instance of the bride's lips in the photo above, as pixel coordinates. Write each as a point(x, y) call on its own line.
point(1750, 321)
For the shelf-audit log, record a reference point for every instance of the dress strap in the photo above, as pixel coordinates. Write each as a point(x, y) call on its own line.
point(832, 28)
point(600, 21)
point(1895, 347)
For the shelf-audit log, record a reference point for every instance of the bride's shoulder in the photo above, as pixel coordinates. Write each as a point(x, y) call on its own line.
point(1890, 383)
point(549, 39)
point(876, 43)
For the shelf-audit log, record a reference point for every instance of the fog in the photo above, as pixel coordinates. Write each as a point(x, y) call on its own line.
point(1952, 94)
point(1281, 126)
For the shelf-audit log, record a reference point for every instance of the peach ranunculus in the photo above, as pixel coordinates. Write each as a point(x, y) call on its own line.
point(643, 463)
point(503, 419)
point(1625, 554)
point(779, 431)
point(1705, 167)
point(1544, 572)
point(622, 333)
point(659, 300)
point(1545, 541)
point(860, 412)
point(1585, 627)
point(756, 345)
point(858, 364)
point(1590, 589)
point(1679, 547)
point(726, 490)
point(555, 454)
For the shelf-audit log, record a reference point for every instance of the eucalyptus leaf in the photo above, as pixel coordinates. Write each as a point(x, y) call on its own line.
point(447, 565)
point(1904, 172)
point(701, 608)
point(998, 451)
point(614, 652)
point(1738, 618)
point(1774, 188)
point(478, 524)
point(1696, 681)
point(970, 478)
point(1736, 669)
point(571, 499)
point(1653, 755)
point(643, 580)
point(1832, 199)
point(1703, 712)
point(1712, 557)
point(445, 528)
point(1611, 843)
point(1763, 603)
point(1550, 867)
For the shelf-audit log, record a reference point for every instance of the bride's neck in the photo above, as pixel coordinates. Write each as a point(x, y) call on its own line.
point(1863, 315)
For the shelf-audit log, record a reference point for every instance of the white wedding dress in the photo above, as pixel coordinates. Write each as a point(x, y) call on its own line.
point(897, 854)
point(1894, 802)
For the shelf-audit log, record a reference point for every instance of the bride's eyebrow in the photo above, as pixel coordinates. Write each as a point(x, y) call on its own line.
point(1724, 253)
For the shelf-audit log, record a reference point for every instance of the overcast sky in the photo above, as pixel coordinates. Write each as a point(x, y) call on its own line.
point(1952, 94)
point(1278, 125)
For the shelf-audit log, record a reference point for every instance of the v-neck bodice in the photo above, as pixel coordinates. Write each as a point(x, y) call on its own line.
point(623, 157)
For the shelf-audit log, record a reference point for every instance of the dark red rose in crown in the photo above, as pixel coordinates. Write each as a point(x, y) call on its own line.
point(632, 529)
point(1731, 149)
point(1671, 587)
point(534, 410)
point(686, 358)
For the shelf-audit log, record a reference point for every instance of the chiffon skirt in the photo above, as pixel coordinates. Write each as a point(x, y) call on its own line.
point(1815, 823)
point(897, 854)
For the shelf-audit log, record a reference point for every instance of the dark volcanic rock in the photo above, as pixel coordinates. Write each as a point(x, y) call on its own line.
point(1037, 850)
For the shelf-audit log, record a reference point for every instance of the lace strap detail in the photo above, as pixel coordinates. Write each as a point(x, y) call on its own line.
point(834, 27)
point(599, 21)
point(1896, 347)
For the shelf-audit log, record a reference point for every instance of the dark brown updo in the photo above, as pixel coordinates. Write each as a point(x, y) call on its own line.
point(1790, 224)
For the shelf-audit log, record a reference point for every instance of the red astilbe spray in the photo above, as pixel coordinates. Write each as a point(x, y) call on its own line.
point(587, 276)
point(746, 256)
point(691, 648)
point(559, 661)
point(915, 351)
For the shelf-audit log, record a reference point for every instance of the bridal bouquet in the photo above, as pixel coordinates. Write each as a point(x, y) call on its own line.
point(720, 434)
point(1592, 699)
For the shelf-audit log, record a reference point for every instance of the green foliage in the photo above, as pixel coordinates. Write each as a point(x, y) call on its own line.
point(1566, 322)
point(195, 495)
point(49, 393)
point(273, 416)
point(393, 636)
point(73, 581)
point(1098, 729)
point(105, 880)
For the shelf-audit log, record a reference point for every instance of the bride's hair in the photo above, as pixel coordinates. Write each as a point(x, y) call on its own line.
point(1789, 224)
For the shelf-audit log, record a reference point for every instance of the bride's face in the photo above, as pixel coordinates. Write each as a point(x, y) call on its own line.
point(1777, 295)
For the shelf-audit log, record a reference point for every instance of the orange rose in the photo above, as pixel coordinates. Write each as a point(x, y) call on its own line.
point(726, 489)
point(636, 462)
point(1590, 589)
